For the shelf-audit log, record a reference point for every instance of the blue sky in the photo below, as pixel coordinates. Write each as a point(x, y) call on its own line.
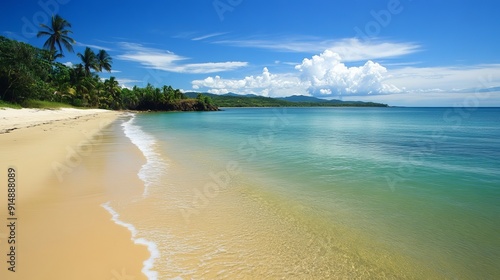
point(401, 52)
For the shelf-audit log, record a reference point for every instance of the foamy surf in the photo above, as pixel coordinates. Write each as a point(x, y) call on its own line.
point(150, 171)
point(152, 247)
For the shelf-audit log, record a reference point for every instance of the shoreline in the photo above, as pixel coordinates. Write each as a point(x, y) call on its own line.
point(63, 231)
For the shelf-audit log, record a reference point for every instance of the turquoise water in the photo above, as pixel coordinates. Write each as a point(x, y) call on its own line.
point(400, 191)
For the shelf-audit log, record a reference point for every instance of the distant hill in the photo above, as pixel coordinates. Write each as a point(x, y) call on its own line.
point(303, 98)
point(251, 100)
point(240, 95)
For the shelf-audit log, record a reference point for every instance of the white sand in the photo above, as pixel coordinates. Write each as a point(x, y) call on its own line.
point(11, 119)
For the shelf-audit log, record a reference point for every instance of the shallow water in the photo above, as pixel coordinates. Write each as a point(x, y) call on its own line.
point(311, 193)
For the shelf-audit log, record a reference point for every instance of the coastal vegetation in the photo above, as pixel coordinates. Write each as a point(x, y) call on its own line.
point(235, 100)
point(32, 77)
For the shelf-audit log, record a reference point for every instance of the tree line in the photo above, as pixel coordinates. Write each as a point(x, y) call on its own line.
point(30, 73)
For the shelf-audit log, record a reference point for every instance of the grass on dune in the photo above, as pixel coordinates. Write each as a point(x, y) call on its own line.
point(4, 104)
point(35, 104)
point(44, 104)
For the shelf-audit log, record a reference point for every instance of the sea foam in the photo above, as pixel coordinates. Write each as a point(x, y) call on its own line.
point(149, 174)
point(154, 167)
point(152, 247)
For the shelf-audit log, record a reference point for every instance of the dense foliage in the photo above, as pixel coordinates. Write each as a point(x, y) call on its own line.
point(28, 73)
point(25, 72)
point(164, 99)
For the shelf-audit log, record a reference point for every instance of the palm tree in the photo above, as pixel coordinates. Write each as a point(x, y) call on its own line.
point(89, 60)
point(58, 34)
point(104, 61)
point(168, 93)
point(84, 85)
point(130, 98)
point(178, 94)
point(98, 95)
point(52, 55)
point(113, 89)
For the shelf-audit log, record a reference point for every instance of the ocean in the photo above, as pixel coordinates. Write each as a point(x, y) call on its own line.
point(317, 193)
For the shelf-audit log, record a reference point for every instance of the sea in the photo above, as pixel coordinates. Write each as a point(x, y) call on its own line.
point(317, 193)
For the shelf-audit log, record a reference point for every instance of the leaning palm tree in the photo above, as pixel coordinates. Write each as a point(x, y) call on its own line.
point(104, 61)
point(58, 35)
point(89, 60)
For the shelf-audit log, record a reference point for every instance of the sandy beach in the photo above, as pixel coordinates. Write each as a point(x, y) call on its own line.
point(61, 161)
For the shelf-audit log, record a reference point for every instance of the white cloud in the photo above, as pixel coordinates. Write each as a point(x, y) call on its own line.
point(323, 74)
point(92, 46)
point(266, 84)
point(350, 49)
point(326, 73)
point(127, 83)
point(356, 50)
point(209, 67)
point(450, 79)
point(208, 36)
point(169, 61)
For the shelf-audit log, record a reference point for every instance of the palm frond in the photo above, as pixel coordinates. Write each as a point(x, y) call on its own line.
point(68, 45)
point(104, 60)
point(57, 34)
point(46, 27)
point(42, 33)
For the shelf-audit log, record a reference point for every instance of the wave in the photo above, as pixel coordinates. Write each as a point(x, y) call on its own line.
point(149, 173)
point(152, 247)
point(152, 170)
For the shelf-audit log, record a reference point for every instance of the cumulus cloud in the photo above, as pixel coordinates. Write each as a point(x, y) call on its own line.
point(323, 74)
point(266, 84)
point(169, 61)
point(326, 73)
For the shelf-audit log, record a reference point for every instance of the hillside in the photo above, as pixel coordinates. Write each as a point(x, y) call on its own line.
point(234, 100)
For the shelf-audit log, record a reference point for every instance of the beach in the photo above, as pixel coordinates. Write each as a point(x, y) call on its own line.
point(65, 170)
point(249, 193)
